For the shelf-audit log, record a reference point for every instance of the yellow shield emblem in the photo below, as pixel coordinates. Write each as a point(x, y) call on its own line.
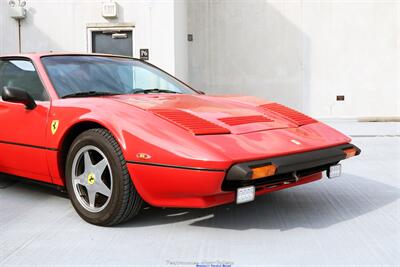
point(54, 126)
point(91, 178)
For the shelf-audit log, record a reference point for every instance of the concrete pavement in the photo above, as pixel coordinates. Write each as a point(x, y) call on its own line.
point(352, 220)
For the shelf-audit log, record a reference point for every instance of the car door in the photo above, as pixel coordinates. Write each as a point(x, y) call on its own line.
point(23, 131)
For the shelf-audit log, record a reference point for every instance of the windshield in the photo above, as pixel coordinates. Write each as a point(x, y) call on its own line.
point(112, 75)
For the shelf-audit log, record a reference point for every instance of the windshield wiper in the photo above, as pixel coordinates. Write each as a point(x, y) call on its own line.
point(154, 90)
point(89, 93)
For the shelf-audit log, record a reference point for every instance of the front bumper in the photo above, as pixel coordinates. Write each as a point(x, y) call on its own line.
point(174, 186)
point(289, 168)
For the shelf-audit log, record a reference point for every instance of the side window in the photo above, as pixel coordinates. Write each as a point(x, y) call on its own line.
point(21, 74)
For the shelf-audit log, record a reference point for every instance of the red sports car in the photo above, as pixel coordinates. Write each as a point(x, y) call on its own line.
point(117, 132)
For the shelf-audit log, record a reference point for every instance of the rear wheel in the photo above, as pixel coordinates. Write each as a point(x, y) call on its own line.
point(98, 181)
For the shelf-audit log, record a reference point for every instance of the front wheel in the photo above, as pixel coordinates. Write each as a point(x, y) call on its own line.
point(98, 181)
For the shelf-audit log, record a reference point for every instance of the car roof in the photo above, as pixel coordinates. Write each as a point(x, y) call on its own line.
point(37, 55)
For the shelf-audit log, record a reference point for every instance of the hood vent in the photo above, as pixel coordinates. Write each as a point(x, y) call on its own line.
point(190, 122)
point(233, 121)
point(288, 113)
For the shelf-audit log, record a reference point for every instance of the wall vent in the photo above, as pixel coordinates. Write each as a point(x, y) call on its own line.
point(109, 10)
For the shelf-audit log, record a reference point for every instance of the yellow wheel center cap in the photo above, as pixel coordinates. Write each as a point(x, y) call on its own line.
point(91, 178)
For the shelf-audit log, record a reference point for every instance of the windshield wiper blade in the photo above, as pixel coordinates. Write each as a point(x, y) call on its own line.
point(154, 90)
point(89, 93)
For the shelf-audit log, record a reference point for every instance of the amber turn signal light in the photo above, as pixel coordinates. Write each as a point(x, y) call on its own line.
point(264, 171)
point(350, 152)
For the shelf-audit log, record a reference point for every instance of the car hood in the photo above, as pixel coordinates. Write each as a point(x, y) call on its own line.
point(237, 114)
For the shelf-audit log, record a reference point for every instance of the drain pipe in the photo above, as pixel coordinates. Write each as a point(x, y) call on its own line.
point(19, 37)
point(18, 12)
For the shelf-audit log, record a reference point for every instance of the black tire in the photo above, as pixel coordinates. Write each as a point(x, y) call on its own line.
point(125, 202)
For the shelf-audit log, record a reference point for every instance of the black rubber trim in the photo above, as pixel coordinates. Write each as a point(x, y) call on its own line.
point(291, 163)
point(26, 145)
point(28, 180)
point(273, 180)
point(175, 166)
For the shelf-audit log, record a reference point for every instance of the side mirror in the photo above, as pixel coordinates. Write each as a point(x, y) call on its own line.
point(15, 95)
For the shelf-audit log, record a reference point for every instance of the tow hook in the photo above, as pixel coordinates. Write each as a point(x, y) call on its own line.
point(296, 178)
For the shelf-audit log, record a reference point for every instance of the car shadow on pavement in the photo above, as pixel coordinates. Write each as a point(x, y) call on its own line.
point(315, 205)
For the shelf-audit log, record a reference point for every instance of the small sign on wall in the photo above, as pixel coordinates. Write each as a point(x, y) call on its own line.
point(144, 54)
point(340, 98)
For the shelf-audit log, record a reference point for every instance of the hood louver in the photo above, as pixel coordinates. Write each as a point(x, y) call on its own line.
point(190, 122)
point(288, 113)
point(234, 121)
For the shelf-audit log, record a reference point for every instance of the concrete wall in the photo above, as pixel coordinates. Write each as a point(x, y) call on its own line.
point(62, 26)
point(300, 53)
point(180, 35)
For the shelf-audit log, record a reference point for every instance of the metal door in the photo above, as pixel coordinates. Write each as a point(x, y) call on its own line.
point(112, 42)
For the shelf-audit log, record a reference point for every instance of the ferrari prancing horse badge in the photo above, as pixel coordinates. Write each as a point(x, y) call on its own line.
point(54, 126)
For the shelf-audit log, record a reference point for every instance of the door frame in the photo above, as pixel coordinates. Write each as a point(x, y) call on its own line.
point(96, 27)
